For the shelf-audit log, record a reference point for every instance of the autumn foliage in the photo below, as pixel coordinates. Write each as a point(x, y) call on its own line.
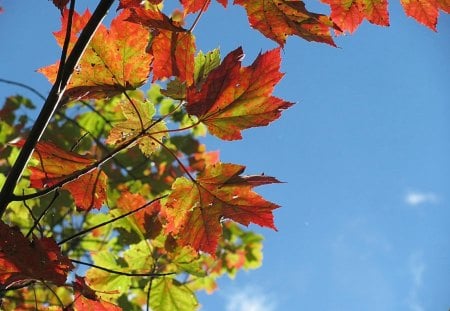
point(120, 205)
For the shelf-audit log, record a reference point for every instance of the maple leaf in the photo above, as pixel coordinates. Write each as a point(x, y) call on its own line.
point(192, 6)
point(146, 220)
point(138, 121)
point(114, 61)
point(277, 19)
point(168, 294)
point(194, 209)
point(234, 98)
point(348, 15)
point(424, 11)
point(22, 260)
point(86, 299)
point(172, 46)
point(56, 164)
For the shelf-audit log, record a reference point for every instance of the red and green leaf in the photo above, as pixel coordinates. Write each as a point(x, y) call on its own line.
point(85, 298)
point(194, 210)
point(115, 60)
point(278, 19)
point(22, 260)
point(147, 219)
point(56, 165)
point(234, 98)
point(138, 125)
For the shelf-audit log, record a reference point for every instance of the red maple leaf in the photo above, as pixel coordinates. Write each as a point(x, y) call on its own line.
point(192, 6)
point(348, 15)
point(172, 46)
point(56, 164)
point(194, 210)
point(424, 11)
point(22, 260)
point(278, 19)
point(86, 299)
point(146, 219)
point(234, 98)
point(114, 61)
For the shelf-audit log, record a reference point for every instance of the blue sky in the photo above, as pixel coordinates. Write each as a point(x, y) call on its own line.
point(365, 216)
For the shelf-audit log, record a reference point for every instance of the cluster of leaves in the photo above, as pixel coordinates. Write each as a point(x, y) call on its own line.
point(120, 182)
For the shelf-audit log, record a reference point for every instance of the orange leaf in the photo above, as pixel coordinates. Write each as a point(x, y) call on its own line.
point(424, 11)
point(146, 219)
point(234, 98)
point(277, 19)
point(172, 46)
point(22, 260)
point(348, 15)
point(56, 164)
point(192, 6)
point(114, 61)
point(194, 210)
point(87, 300)
point(173, 54)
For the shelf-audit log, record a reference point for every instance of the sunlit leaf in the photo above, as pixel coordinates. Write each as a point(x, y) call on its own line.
point(56, 164)
point(138, 123)
point(194, 210)
point(278, 19)
point(234, 98)
point(115, 60)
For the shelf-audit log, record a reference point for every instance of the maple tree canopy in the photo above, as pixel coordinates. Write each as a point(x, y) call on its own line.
point(113, 177)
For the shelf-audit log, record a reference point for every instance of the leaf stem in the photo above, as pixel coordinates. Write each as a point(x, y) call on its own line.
point(25, 86)
point(197, 18)
point(175, 157)
point(36, 221)
point(150, 274)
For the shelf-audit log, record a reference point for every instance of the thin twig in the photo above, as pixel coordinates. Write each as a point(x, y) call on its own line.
point(175, 157)
point(150, 274)
point(87, 230)
point(25, 86)
point(36, 222)
point(197, 18)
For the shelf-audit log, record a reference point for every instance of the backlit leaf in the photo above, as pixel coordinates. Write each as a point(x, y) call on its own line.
point(146, 220)
point(192, 6)
point(194, 210)
point(138, 121)
point(172, 46)
point(56, 164)
point(424, 11)
point(278, 19)
point(168, 294)
point(234, 98)
point(114, 61)
point(85, 298)
point(348, 15)
point(22, 260)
